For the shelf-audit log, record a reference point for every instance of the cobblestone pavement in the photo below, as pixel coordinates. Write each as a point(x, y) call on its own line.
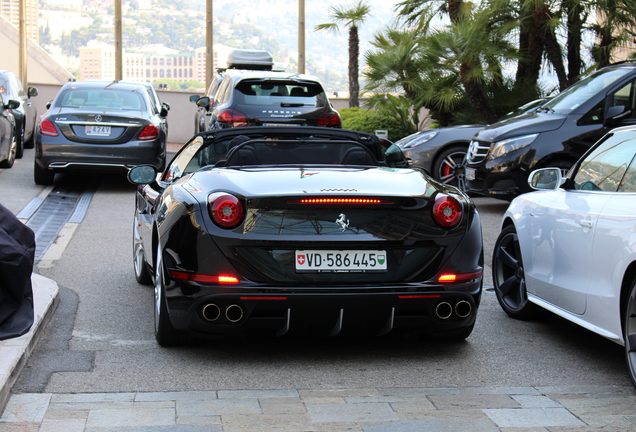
point(474, 409)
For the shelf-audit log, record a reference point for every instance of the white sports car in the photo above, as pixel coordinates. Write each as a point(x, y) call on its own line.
point(571, 247)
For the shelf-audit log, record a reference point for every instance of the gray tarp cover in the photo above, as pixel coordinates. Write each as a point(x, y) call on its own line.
point(17, 250)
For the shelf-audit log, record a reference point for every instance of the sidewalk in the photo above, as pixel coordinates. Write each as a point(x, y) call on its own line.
point(474, 409)
point(15, 352)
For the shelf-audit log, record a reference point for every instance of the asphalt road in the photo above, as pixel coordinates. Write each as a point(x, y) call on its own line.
point(101, 337)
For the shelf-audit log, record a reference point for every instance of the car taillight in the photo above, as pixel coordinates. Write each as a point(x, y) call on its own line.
point(341, 201)
point(48, 128)
point(232, 118)
point(447, 211)
point(458, 277)
point(221, 279)
point(330, 120)
point(225, 210)
point(148, 133)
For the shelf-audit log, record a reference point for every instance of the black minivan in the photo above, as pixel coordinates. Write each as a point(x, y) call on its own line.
point(501, 156)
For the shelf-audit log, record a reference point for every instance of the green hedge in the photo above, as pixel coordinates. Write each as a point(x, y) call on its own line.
point(370, 120)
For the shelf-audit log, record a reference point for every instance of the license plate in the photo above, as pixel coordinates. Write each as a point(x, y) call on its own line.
point(470, 173)
point(340, 260)
point(97, 130)
point(281, 124)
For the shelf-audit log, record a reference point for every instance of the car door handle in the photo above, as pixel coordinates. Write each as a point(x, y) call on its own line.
point(586, 223)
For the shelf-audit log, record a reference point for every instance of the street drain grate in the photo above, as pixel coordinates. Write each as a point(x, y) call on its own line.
point(55, 211)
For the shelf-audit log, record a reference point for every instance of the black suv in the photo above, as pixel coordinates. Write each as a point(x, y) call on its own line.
point(25, 114)
point(501, 156)
point(262, 98)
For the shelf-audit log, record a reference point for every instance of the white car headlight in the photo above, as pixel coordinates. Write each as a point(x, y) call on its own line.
point(417, 140)
point(509, 145)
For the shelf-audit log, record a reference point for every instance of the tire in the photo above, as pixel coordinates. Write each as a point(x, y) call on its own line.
point(446, 163)
point(142, 273)
point(20, 141)
point(509, 278)
point(165, 333)
point(629, 330)
point(42, 176)
point(8, 162)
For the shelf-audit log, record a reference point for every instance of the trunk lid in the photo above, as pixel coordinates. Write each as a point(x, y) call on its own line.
point(99, 127)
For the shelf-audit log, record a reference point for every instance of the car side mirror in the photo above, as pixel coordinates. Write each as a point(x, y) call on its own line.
point(165, 105)
point(203, 102)
point(546, 179)
point(616, 113)
point(142, 174)
point(32, 91)
point(48, 104)
point(194, 98)
point(13, 104)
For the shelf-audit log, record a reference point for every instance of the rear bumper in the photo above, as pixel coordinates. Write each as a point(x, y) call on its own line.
point(322, 311)
point(62, 155)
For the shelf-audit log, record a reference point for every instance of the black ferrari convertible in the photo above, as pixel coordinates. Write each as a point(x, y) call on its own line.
point(299, 229)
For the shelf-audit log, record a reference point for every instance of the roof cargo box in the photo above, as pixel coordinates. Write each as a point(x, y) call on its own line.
point(249, 59)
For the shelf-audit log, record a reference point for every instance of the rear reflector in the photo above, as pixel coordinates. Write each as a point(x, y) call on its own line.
point(222, 279)
point(419, 296)
point(458, 277)
point(47, 127)
point(349, 201)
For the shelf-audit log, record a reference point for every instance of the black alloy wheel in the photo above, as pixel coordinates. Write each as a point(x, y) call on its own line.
point(629, 326)
point(447, 163)
point(142, 274)
point(165, 333)
point(8, 162)
point(509, 277)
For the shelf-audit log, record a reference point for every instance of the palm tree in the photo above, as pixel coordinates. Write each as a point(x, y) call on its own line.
point(351, 18)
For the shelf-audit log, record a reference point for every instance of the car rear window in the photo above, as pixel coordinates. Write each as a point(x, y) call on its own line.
point(280, 93)
point(101, 98)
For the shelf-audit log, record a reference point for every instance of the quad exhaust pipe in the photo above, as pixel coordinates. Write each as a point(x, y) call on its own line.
point(211, 312)
point(463, 308)
point(445, 310)
point(233, 313)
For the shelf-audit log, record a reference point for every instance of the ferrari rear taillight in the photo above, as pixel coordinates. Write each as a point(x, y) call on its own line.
point(149, 132)
point(232, 118)
point(329, 120)
point(447, 211)
point(226, 210)
point(47, 127)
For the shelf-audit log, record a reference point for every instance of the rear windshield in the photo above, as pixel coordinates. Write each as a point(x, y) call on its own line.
point(280, 93)
point(100, 98)
point(579, 93)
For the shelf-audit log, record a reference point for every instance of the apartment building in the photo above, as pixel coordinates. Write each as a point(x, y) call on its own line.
point(10, 10)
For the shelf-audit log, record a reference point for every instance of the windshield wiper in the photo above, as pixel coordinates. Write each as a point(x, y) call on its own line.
point(290, 104)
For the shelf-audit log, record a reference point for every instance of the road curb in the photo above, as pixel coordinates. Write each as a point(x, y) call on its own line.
point(16, 352)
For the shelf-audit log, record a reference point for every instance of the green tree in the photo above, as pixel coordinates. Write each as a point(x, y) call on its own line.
point(351, 18)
